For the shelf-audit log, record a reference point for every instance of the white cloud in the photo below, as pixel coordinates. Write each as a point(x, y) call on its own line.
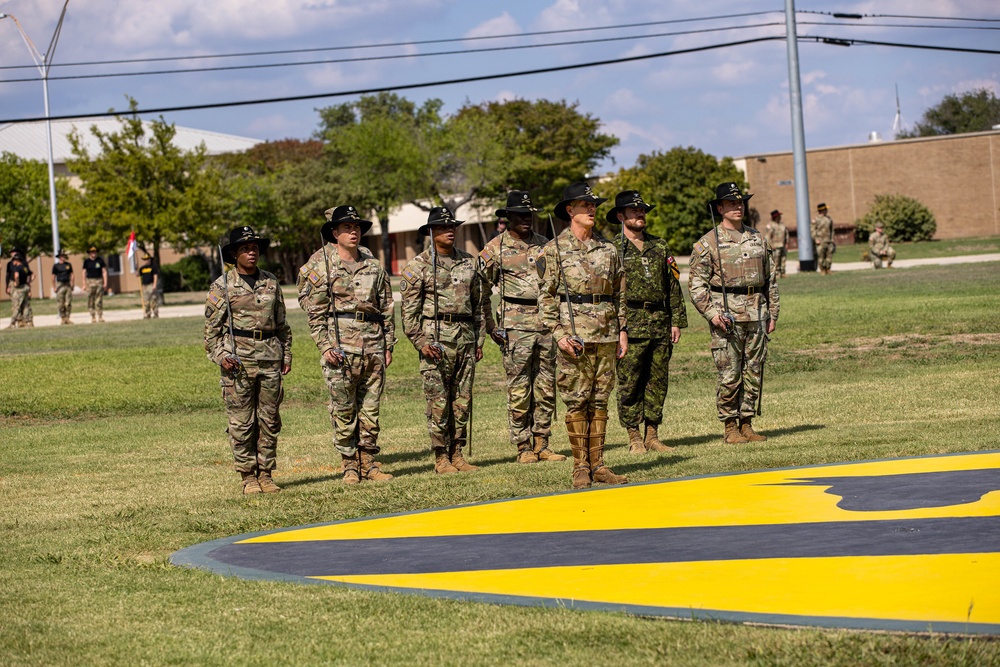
point(811, 77)
point(505, 24)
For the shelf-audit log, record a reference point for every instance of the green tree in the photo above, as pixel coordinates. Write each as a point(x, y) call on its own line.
point(141, 181)
point(25, 219)
point(680, 183)
point(904, 219)
point(973, 111)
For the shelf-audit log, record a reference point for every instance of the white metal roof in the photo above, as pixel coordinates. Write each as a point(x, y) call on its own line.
point(409, 218)
point(28, 140)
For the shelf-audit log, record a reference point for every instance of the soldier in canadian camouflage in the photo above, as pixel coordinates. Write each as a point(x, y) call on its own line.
point(348, 301)
point(738, 258)
point(588, 325)
point(777, 237)
point(529, 353)
point(879, 248)
point(821, 230)
point(248, 302)
point(654, 308)
point(444, 315)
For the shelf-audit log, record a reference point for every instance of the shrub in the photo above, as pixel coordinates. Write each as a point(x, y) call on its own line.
point(904, 218)
point(190, 274)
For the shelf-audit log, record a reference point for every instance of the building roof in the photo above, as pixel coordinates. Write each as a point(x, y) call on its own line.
point(28, 140)
point(875, 144)
point(410, 218)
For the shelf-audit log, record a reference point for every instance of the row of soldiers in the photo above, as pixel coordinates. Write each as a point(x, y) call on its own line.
point(577, 312)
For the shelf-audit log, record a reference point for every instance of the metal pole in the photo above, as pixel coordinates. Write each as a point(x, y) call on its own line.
point(807, 261)
point(53, 210)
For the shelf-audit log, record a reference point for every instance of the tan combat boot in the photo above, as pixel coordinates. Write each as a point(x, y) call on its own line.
point(525, 454)
point(636, 445)
point(370, 468)
point(352, 469)
point(267, 484)
point(250, 484)
point(578, 427)
point(732, 435)
point(442, 462)
point(746, 430)
point(652, 440)
point(458, 460)
point(542, 451)
point(598, 470)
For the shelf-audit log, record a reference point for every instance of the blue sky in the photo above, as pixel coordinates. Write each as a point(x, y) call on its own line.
point(730, 101)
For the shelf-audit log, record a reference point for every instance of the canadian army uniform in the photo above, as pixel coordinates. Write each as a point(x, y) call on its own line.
point(150, 294)
point(458, 328)
point(360, 314)
point(777, 237)
point(821, 231)
point(19, 286)
point(879, 249)
point(62, 273)
point(263, 343)
point(752, 294)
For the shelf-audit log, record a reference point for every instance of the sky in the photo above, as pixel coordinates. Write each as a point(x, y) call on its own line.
point(730, 101)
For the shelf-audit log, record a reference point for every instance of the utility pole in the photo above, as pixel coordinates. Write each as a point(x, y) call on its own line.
point(807, 260)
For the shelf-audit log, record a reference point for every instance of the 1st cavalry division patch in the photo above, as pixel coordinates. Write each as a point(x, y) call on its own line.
point(906, 544)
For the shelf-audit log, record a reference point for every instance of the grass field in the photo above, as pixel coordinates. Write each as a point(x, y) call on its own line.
point(114, 456)
point(917, 250)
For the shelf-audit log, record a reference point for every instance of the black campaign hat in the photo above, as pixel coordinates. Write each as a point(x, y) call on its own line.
point(576, 192)
point(335, 216)
point(775, 214)
point(518, 201)
point(821, 207)
point(239, 236)
point(729, 191)
point(439, 216)
point(625, 199)
point(62, 253)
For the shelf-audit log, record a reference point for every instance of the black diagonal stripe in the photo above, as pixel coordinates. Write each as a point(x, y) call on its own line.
point(411, 555)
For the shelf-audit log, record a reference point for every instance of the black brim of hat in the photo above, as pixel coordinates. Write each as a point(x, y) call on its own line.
point(502, 212)
point(262, 245)
point(715, 202)
point(612, 215)
point(327, 229)
point(425, 229)
point(560, 209)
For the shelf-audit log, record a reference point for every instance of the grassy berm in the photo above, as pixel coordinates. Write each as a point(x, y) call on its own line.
point(114, 456)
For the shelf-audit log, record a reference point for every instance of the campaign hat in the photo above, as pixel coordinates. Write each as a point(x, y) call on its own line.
point(576, 192)
point(626, 199)
point(775, 214)
point(729, 191)
point(240, 235)
point(518, 201)
point(335, 216)
point(439, 216)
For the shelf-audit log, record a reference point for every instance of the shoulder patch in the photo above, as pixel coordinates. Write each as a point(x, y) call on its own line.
point(409, 275)
point(208, 312)
point(540, 265)
point(700, 248)
point(486, 255)
point(674, 269)
point(313, 277)
point(214, 298)
point(403, 285)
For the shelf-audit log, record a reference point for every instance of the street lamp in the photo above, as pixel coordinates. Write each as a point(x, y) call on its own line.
point(44, 62)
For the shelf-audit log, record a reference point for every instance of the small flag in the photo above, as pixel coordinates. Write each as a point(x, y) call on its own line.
point(130, 252)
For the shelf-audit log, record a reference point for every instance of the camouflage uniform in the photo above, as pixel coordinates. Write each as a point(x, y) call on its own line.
point(653, 304)
point(777, 237)
point(62, 277)
point(253, 392)
point(463, 309)
point(529, 358)
point(879, 249)
point(362, 293)
point(150, 300)
point(821, 231)
point(752, 293)
point(20, 296)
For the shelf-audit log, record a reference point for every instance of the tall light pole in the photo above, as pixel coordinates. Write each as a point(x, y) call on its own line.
point(807, 261)
point(44, 61)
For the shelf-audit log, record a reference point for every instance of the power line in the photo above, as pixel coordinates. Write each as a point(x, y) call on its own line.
point(899, 25)
point(848, 41)
point(846, 15)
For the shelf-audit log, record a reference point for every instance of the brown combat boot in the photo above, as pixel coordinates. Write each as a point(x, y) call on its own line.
point(442, 462)
point(525, 454)
point(542, 451)
point(578, 427)
point(732, 435)
point(458, 460)
point(598, 470)
point(746, 430)
point(267, 484)
point(352, 469)
point(370, 468)
point(250, 484)
point(636, 445)
point(652, 440)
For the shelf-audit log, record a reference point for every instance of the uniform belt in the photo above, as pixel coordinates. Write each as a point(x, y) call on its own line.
point(359, 316)
point(256, 334)
point(521, 302)
point(745, 291)
point(450, 317)
point(587, 298)
point(646, 305)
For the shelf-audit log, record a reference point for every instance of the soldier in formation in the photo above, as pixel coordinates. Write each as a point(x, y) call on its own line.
point(348, 302)
point(149, 278)
point(579, 302)
point(444, 308)
point(508, 263)
point(777, 237)
point(654, 309)
point(19, 279)
point(821, 231)
point(95, 273)
point(247, 336)
point(879, 248)
point(63, 282)
point(732, 284)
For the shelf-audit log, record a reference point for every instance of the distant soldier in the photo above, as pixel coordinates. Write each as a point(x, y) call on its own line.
point(732, 284)
point(777, 236)
point(879, 248)
point(582, 282)
point(654, 308)
point(443, 315)
point(149, 277)
point(529, 353)
point(95, 273)
point(821, 231)
point(63, 282)
point(348, 302)
point(19, 279)
point(501, 227)
point(247, 336)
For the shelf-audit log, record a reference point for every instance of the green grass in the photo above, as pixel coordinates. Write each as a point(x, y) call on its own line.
point(917, 250)
point(114, 456)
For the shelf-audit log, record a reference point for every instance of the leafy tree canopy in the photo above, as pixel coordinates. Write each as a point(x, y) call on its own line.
point(25, 219)
point(972, 111)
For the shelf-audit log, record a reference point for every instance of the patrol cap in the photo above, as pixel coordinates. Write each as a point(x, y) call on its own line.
point(335, 216)
point(439, 216)
point(238, 237)
point(518, 201)
point(775, 214)
point(626, 199)
point(576, 192)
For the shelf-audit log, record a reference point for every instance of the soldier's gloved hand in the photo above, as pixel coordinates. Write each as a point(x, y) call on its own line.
point(431, 351)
